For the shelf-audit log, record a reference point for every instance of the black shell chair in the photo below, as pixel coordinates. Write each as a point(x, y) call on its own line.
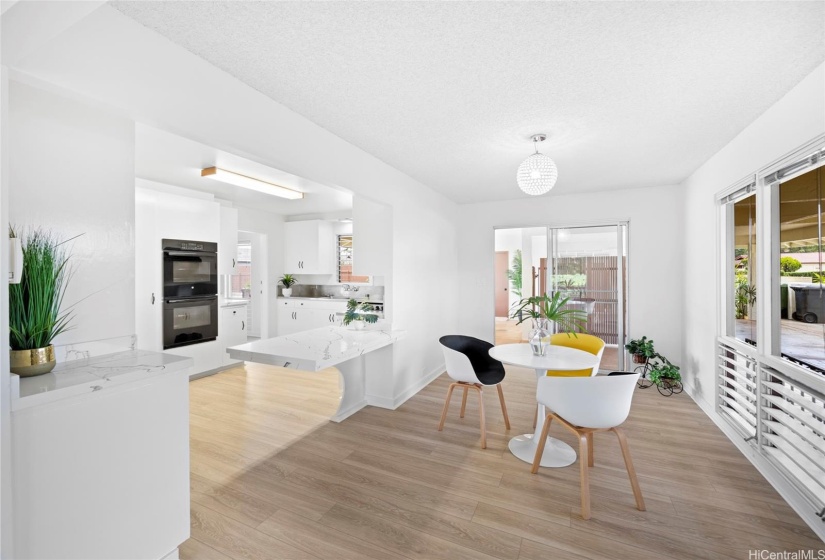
point(470, 365)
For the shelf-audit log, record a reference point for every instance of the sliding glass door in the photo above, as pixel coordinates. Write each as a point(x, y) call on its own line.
point(588, 265)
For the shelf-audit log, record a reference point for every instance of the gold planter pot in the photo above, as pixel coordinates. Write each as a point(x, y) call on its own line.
point(36, 361)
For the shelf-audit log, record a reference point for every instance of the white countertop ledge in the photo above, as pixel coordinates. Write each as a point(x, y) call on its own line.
point(317, 349)
point(84, 376)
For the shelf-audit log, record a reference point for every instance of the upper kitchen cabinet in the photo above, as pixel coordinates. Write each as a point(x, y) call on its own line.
point(228, 245)
point(309, 247)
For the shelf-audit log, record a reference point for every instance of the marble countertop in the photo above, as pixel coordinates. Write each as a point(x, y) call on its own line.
point(359, 299)
point(87, 375)
point(232, 302)
point(317, 349)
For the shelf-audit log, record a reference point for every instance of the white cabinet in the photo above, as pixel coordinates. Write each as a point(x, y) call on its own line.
point(206, 356)
point(309, 247)
point(233, 329)
point(228, 245)
point(161, 215)
point(104, 474)
point(148, 273)
point(295, 315)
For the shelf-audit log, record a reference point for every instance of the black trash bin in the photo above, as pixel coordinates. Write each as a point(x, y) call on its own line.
point(810, 302)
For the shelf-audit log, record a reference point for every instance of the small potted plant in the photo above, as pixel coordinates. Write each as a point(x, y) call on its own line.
point(36, 314)
point(287, 281)
point(641, 349)
point(662, 372)
point(544, 309)
point(359, 314)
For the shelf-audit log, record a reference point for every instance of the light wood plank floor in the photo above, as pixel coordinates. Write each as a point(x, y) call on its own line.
point(272, 478)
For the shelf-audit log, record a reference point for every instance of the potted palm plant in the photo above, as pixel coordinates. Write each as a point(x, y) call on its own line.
point(544, 310)
point(287, 281)
point(359, 314)
point(36, 315)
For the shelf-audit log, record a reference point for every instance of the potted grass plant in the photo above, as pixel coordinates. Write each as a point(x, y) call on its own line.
point(36, 314)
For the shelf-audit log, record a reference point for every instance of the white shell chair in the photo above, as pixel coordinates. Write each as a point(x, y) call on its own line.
point(470, 364)
point(585, 405)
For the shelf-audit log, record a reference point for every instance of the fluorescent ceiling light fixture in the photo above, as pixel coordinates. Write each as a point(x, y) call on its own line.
point(251, 183)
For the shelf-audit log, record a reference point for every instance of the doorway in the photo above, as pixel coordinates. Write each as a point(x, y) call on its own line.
point(250, 280)
point(502, 284)
point(586, 264)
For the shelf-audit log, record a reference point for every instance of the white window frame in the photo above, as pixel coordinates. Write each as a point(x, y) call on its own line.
point(765, 183)
point(338, 282)
point(763, 365)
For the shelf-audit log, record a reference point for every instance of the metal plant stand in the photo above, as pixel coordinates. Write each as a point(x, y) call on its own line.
point(666, 387)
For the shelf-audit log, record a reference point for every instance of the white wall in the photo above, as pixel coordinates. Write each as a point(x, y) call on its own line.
point(72, 171)
point(111, 58)
point(654, 280)
point(795, 119)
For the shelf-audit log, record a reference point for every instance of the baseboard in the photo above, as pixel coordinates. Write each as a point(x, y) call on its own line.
point(408, 393)
point(209, 372)
point(415, 388)
point(381, 402)
point(174, 555)
point(776, 479)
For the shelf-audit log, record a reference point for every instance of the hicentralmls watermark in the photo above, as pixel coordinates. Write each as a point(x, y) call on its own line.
point(787, 554)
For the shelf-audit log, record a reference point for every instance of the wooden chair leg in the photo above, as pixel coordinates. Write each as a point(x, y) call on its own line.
point(631, 471)
point(464, 401)
point(535, 417)
point(503, 406)
point(481, 418)
point(584, 459)
point(590, 458)
point(540, 446)
point(446, 406)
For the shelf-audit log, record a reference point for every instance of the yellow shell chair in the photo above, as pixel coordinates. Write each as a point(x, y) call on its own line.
point(587, 342)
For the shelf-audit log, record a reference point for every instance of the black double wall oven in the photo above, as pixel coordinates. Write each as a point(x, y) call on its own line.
point(190, 292)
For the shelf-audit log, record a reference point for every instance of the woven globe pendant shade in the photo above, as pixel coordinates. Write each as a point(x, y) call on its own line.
point(538, 173)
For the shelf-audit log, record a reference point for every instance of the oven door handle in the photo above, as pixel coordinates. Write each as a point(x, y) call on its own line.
point(192, 300)
point(189, 253)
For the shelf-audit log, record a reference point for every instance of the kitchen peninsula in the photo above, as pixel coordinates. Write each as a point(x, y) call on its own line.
point(359, 355)
point(101, 457)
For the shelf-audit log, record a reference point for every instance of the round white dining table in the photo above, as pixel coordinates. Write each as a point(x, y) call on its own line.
point(556, 452)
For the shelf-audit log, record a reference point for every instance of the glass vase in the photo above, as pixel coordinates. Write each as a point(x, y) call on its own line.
point(539, 336)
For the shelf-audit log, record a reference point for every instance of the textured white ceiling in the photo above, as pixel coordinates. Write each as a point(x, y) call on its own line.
point(632, 94)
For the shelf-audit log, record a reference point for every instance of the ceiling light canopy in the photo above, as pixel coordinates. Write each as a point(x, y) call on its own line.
point(538, 173)
point(251, 183)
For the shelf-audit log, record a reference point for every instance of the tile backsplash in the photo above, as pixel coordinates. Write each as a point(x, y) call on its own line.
point(372, 293)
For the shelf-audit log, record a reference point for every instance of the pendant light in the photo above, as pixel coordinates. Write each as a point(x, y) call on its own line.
point(538, 173)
